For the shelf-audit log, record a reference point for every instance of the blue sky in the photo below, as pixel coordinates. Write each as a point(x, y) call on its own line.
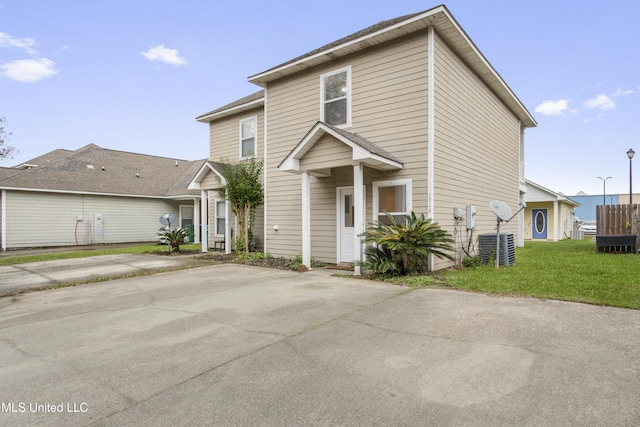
point(132, 75)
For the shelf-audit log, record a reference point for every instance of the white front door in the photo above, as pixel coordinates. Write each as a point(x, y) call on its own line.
point(345, 224)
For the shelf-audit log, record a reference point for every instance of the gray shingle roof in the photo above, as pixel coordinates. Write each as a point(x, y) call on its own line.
point(364, 143)
point(364, 32)
point(92, 169)
point(235, 104)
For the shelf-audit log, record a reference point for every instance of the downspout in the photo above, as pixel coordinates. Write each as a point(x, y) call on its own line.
point(430, 128)
point(430, 120)
point(3, 220)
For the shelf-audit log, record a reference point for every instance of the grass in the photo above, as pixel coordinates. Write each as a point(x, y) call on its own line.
point(138, 249)
point(568, 270)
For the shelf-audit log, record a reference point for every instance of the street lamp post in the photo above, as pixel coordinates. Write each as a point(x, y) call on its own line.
point(630, 154)
point(604, 189)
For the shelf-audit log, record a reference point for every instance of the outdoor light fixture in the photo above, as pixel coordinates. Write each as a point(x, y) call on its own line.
point(630, 154)
point(604, 189)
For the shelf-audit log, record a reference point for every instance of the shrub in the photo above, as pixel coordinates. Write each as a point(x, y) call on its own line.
point(175, 237)
point(402, 249)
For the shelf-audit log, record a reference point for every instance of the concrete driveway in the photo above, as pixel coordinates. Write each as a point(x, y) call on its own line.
point(236, 345)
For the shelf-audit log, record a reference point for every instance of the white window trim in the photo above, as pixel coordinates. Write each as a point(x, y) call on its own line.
point(407, 183)
point(255, 138)
point(348, 97)
point(215, 219)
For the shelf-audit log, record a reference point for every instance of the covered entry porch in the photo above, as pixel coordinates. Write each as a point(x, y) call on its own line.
point(324, 150)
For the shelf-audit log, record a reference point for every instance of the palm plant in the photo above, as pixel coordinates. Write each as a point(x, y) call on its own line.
point(175, 237)
point(401, 249)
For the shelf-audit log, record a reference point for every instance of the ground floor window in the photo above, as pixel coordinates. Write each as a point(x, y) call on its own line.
point(393, 197)
point(221, 216)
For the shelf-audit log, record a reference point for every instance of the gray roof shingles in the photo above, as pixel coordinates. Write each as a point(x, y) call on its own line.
point(92, 169)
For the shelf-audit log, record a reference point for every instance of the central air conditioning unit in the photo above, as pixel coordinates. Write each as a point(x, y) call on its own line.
point(577, 235)
point(487, 244)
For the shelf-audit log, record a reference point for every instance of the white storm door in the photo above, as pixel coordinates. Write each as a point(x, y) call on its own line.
point(345, 224)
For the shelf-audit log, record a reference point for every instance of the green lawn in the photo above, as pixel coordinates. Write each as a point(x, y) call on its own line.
point(138, 249)
point(569, 270)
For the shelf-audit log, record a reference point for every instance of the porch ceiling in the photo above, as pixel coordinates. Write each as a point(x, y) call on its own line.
point(355, 149)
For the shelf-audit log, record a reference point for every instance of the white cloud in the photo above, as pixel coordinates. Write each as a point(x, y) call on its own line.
point(29, 70)
point(620, 91)
point(26, 43)
point(553, 108)
point(164, 54)
point(601, 102)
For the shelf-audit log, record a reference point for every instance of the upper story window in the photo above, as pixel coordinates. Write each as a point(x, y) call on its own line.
point(335, 96)
point(248, 138)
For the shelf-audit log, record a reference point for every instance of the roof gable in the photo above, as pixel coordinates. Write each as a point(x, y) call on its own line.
point(362, 150)
point(444, 24)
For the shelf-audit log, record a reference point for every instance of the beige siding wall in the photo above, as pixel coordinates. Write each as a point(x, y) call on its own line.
point(477, 148)
point(389, 86)
point(48, 219)
point(224, 146)
point(224, 136)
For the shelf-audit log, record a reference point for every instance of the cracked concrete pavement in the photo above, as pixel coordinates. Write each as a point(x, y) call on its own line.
point(238, 345)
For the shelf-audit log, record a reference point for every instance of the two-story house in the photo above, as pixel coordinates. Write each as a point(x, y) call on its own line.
point(405, 115)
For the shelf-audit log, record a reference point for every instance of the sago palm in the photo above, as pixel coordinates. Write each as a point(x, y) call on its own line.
point(405, 248)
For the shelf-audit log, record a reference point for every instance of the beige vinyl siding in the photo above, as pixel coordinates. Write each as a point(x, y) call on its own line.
point(51, 219)
point(224, 146)
point(210, 181)
point(328, 152)
point(477, 146)
point(389, 108)
point(224, 136)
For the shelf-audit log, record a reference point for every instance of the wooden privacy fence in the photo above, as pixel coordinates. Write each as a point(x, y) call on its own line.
point(617, 228)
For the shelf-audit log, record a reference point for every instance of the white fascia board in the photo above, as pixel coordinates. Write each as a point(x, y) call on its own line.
point(43, 190)
point(290, 164)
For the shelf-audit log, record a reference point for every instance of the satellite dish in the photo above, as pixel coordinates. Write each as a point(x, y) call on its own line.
point(167, 219)
point(501, 209)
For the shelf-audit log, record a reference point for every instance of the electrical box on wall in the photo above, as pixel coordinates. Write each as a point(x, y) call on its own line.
point(471, 217)
point(457, 213)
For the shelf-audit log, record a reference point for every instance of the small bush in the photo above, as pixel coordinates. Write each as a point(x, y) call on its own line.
point(403, 249)
point(472, 261)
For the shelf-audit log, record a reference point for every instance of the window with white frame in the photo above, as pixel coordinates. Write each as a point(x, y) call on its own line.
point(335, 96)
point(221, 216)
point(248, 131)
point(393, 197)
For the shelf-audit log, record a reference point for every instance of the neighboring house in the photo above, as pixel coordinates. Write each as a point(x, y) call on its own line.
point(548, 215)
point(94, 195)
point(406, 115)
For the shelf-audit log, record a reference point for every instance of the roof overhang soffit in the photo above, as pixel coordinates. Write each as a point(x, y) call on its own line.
point(206, 169)
point(359, 153)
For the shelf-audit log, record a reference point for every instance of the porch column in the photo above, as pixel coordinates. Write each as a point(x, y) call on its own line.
point(196, 220)
point(306, 220)
point(358, 214)
point(204, 201)
point(556, 221)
